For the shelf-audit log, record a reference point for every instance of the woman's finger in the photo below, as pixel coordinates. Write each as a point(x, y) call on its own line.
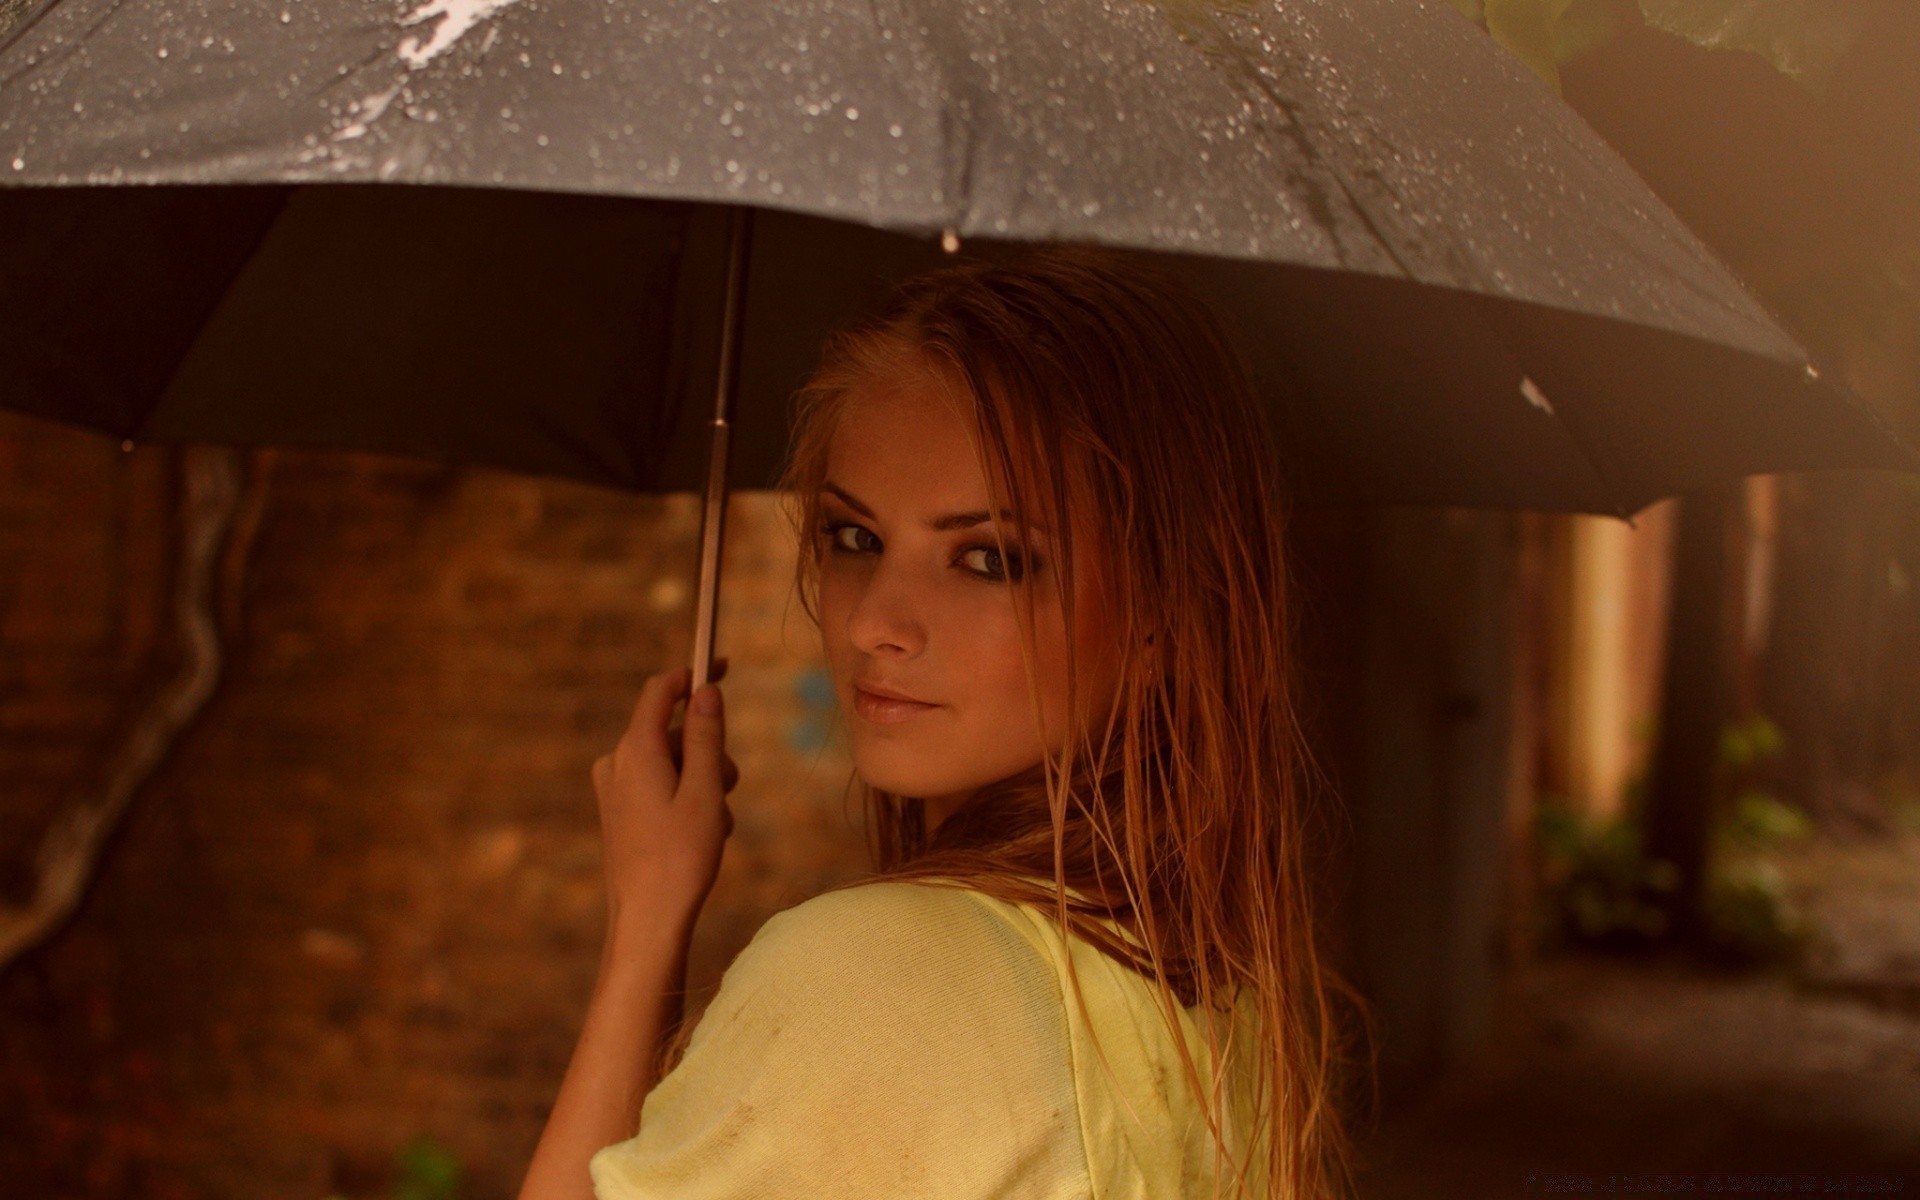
point(729, 776)
point(648, 725)
point(651, 712)
point(703, 747)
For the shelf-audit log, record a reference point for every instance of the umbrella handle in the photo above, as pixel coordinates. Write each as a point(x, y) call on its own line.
point(714, 512)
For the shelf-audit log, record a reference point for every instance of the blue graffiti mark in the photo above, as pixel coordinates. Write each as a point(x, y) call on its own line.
point(809, 734)
point(814, 730)
point(814, 687)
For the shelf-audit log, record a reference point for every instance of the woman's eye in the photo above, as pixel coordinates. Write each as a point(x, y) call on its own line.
point(833, 531)
point(989, 560)
point(983, 562)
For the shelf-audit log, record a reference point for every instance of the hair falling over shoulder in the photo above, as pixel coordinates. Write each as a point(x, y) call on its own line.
point(1103, 390)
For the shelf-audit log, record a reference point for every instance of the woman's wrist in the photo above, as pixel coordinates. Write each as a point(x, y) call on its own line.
point(637, 1002)
point(645, 921)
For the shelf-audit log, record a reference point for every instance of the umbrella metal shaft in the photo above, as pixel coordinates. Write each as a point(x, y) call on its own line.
point(714, 512)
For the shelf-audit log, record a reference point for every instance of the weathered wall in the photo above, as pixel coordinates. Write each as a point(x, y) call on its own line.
point(362, 900)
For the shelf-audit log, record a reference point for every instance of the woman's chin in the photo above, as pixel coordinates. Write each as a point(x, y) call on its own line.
point(887, 775)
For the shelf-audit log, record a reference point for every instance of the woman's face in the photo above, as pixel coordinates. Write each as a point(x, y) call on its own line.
point(915, 600)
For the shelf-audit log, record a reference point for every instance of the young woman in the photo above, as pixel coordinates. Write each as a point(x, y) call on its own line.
point(1041, 538)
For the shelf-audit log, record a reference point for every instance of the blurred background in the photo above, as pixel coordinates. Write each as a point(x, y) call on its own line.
point(1629, 816)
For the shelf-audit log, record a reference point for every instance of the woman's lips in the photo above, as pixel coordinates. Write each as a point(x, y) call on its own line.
point(884, 709)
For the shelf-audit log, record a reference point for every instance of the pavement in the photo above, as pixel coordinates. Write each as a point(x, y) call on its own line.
point(1624, 1077)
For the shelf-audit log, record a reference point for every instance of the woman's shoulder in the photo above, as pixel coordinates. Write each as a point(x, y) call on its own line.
point(882, 903)
point(925, 971)
point(898, 926)
point(877, 1039)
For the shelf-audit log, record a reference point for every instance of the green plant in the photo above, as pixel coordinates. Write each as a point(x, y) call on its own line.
point(1746, 742)
point(428, 1171)
point(1746, 913)
point(1601, 887)
point(1756, 821)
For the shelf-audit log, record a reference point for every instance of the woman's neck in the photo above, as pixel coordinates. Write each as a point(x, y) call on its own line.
point(938, 808)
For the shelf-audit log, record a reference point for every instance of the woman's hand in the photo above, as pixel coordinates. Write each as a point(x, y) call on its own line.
point(664, 822)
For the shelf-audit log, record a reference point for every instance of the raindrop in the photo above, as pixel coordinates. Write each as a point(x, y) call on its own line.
point(853, 114)
point(895, 130)
point(19, 164)
point(162, 52)
point(286, 17)
point(950, 240)
point(541, 139)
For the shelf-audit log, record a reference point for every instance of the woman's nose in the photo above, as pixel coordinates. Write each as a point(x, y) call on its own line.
point(886, 617)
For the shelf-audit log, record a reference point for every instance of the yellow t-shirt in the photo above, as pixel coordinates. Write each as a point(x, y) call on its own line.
point(903, 1039)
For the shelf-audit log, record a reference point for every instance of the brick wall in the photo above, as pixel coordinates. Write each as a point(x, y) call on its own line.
point(361, 901)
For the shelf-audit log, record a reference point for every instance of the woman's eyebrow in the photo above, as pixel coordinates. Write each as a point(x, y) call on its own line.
point(964, 520)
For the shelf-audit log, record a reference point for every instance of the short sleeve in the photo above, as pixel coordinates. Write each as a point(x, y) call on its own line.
point(889, 1040)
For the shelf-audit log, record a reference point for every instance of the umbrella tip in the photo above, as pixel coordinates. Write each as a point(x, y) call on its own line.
point(1535, 396)
point(950, 240)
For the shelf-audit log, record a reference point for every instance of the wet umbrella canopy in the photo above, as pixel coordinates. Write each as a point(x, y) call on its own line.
point(1450, 290)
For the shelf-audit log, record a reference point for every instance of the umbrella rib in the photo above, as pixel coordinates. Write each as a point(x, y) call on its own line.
point(1596, 459)
point(1249, 69)
point(139, 428)
point(73, 44)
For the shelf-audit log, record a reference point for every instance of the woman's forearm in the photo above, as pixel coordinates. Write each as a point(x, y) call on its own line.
point(636, 1000)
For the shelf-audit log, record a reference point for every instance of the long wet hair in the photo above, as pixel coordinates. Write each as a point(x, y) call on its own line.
point(1101, 388)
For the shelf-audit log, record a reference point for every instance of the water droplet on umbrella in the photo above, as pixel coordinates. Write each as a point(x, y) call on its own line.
point(853, 114)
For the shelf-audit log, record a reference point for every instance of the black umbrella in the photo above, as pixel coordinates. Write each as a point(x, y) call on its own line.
point(1450, 290)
